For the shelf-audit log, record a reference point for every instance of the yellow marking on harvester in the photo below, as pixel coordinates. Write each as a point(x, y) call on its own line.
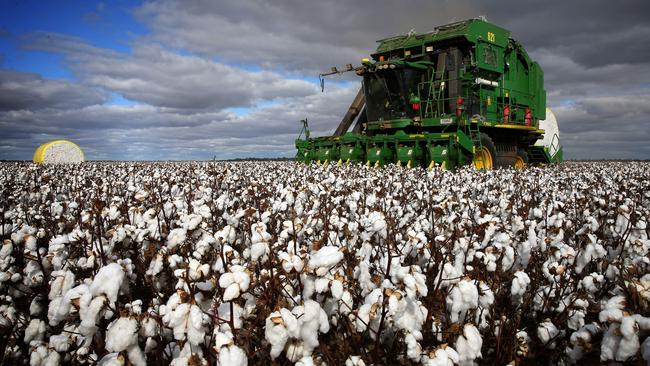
point(339, 162)
point(409, 163)
point(431, 165)
point(516, 127)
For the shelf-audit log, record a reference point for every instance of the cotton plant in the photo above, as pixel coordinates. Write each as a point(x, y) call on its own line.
point(235, 263)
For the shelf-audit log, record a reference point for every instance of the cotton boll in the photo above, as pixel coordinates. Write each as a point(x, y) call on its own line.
point(276, 332)
point(592, 282)
point(413, 348)
point(234, 282)
point(149, 327)
point(232, 355)
point(112, 359)
point(354, 361)
point(450, 275)
point(321, 285)
point(136, 357)
point(121, 334)
point(629, 342)
point(444, 356)
point(522, 339)
point(108, 281)
point(336, 288)
point(468, 345)
point(38, 355)
point(176, 237)
point(463, 297)
point(546, 332)
point(519, 284)
point(613, 310)
point(53, 359)
point(89, 315)
point(325, 258)
point(295, 351)
point(195, 331)
point(35, 331)
point(260, 252)
point(62, 281)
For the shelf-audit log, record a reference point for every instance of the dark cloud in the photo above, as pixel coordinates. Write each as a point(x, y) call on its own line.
point(307, 36)
point(145, 132)
point(156, 76)
point(203, 57)
point(595, 33)
point(20, 90)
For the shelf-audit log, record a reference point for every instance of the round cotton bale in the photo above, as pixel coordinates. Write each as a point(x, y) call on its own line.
point(551, 133)
point(59, 152)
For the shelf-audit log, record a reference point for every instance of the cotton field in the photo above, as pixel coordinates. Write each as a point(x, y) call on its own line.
point(281, 263)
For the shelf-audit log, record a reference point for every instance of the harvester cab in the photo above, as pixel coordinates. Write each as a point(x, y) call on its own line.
point(464, 93)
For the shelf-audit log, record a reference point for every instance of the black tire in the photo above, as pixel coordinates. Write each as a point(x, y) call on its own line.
point(523, 155)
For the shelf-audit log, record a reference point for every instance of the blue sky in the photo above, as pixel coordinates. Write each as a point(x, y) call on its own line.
point(193, 79)
point(103, 26)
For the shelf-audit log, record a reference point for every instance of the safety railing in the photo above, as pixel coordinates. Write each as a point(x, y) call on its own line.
point(504, 106)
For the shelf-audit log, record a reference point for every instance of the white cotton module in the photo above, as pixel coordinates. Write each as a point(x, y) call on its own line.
point(58, 152)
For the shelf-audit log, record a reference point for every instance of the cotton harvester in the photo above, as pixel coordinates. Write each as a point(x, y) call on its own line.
point(463, 93)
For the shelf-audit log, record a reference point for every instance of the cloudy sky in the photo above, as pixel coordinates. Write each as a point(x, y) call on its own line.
point(196, 79)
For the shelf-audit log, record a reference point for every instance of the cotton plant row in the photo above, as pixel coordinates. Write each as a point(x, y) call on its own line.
point(282, 263)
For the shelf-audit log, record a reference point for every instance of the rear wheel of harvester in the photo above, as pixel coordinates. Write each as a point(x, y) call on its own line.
point(485, 154)
point(522, 159)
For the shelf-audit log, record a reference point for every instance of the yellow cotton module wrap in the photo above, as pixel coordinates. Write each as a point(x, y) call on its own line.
point(59, 152)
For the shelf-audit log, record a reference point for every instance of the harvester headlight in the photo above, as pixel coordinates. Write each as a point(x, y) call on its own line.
point(392, 66)
point(429, 49)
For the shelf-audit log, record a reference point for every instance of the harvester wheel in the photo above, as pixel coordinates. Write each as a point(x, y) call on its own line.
point(485, 154)
point(522, 159)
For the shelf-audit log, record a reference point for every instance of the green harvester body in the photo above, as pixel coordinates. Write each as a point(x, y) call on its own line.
point(439, 98)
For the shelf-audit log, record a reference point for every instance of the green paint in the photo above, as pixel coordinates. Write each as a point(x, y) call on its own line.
point(473, 61)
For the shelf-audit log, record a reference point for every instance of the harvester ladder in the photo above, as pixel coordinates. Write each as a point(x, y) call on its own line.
point(474, 132)
point(440, 77)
